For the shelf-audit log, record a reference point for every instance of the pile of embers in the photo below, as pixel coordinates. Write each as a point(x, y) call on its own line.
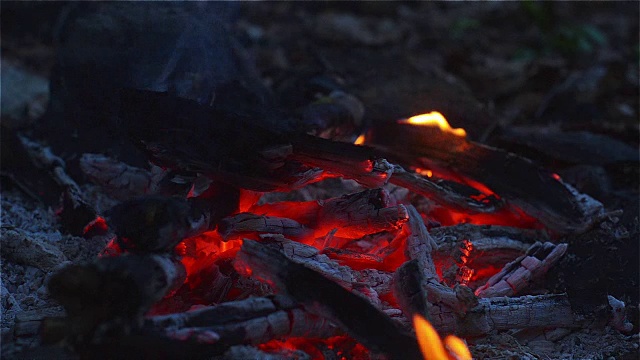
point(312, 273)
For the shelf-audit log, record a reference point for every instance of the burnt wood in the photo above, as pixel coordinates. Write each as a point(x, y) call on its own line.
point(356, 315)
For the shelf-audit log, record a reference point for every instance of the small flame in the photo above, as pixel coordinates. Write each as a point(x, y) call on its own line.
point(434, 118)
point(431, 345)
point(360, 140)
point(424, 172)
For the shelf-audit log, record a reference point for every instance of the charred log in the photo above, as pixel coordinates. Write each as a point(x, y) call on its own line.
point(110, 295)
point(355, 315)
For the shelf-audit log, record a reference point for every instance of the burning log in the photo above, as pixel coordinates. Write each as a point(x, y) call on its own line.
point(111, 294)
point(517, 275)
point(369, 283)
point(364, 322)
point(159, 223)
point(445, 192)
point(520, 182)
point(234, 227)
point(420, 245)
point(353, 215)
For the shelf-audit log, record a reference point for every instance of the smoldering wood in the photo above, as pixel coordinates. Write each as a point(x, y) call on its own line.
point(251, 321)
point(517, 275)
point(419, 246)
point(112, 293)
point(506, 313)
point(370, 283)
point(157, 223)
point(444, 192)
point(236, 226)
point(408, 289)
point(354, 215)
point(520, 182)
point(356, 315)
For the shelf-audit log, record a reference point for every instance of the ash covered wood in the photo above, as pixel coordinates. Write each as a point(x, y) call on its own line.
point(324, 297)
point(517, 275)
point(251, 321)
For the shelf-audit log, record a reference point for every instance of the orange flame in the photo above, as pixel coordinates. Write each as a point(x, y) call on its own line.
point(433, 119)
point(423, 172)
point(431, 345)
point(360, 140)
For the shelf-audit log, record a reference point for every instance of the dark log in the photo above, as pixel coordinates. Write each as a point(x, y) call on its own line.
point(109, 296)
point(157, 223)
point(355, 315)
point(517, 180)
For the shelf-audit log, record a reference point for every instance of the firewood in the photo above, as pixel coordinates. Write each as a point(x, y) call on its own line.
point(408, 289)
point(236, 226)
point(252, 321)
point(518, 274)
point(119, 179)
point(76, 212)
point(110, 295)
point(158, 223)
point(355, 315)
point(517, 180)
point(444, 192)
point(354, 215)
point(419, 246)
point(505, 313)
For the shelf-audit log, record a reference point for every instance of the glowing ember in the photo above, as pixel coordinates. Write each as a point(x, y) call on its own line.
point(431, 345)
point(423, 172)
point(556, 176)
point(434, 119)
point(360, 140)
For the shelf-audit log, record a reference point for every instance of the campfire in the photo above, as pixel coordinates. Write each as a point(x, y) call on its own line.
point(258, 234)
point(355, 275)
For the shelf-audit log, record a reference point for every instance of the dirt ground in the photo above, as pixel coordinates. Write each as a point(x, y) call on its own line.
point(558, 82)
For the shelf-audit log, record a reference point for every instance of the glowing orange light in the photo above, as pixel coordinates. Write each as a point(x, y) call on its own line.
point(424, 172)
point(360, 140)
point(431, 345)
point(556, 176)
point(457, 348)
point(434, 118)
